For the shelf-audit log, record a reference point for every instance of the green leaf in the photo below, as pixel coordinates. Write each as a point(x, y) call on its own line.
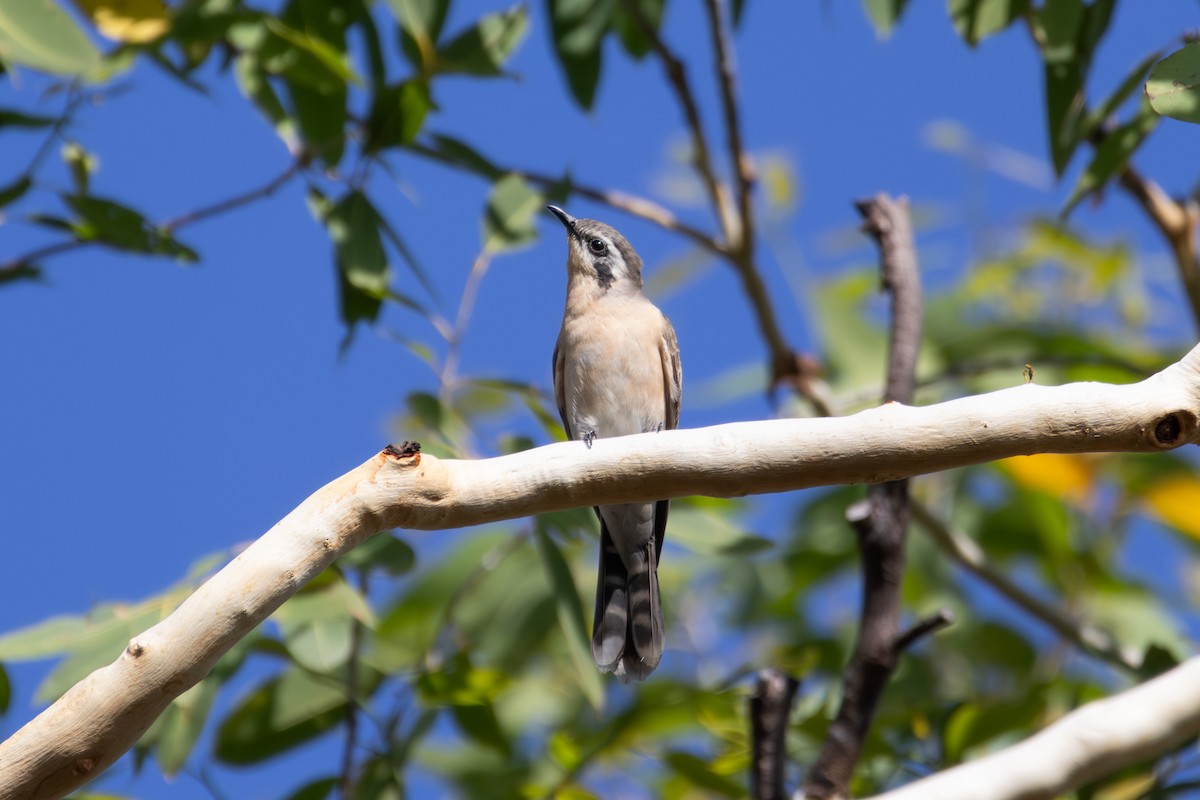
point(354, 229)
point(1123, 92)
point(318, 625)
point(571, 618)
point(360, 11)
point(384, 551)
point(284, 712)
point(578, 28)
point(397, 113)
point(252, 80)
point(975, 20)
point(484, 48)
point(1096, 19)
point(633, 38)
point(1064, 110)
point(462, 154)
point(314, 790)
point(421, 24)
point(5, 690)
point(1174, 84)
point(330, 55)
point(175, 733)
point(363, 273)
point(1060, 25)
point(41, 640)
point(480, 724)
point(16, 119)
point(704, 526)
point(511, 210)
point(700, 773)
point(974, 724)
point(320, 116)
point(123, 228)
point(38, 34)
point(15, 190)
point(884, 14)
point(1112, 154)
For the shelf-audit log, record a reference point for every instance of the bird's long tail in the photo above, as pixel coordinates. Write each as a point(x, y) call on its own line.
point(627, 632)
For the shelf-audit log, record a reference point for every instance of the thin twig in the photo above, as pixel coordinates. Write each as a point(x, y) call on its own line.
point(30, 258)
point(630, 204)
point(738, 157)
point(74, 99)
point(237, 201)
point(702, 161)
point(964, 550)
point(466, 304)
point(941, 618)
point(770, 707)
point(880, 522)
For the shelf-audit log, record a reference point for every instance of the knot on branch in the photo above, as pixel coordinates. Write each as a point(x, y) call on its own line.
point(405, 450)
point(1173, 430)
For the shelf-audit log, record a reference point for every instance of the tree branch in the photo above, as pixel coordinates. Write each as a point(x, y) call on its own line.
point(770, 706)
point(1089, 743)
point(702, 161)
point(633, 205)
point(269, 188)
point(1179, 222)
point(739, 159)
point(1083, 634)
point(102, 716)
point(880, 522)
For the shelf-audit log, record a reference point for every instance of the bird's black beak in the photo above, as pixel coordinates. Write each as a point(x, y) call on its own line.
point(566, 219)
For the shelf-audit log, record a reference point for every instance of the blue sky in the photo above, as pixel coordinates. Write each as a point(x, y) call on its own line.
point(155, 413)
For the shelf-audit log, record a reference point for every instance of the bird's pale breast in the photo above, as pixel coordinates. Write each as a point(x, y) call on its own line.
point(614, 372)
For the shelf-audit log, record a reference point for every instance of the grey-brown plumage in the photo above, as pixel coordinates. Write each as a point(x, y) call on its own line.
point(616, 373)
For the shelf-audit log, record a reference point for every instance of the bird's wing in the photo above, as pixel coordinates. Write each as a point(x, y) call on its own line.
point(668, 349)
point(560, 395)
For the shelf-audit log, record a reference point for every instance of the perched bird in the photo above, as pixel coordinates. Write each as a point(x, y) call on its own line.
point(616, 372)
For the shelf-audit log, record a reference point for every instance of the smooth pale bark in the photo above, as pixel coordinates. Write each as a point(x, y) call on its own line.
point(1089, 743)
point(101, 717)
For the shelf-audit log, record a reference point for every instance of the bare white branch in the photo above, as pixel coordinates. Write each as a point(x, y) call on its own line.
point(101, 717)
point(1089, 743)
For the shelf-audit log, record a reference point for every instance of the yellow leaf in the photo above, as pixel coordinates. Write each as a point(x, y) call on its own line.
point(1174, 502)
point(1057, 474)
point(131, 21)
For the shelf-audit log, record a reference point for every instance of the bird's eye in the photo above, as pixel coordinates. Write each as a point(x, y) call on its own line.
point(596, 246)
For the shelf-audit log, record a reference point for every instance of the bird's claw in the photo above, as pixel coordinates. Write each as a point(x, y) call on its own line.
point(588, 438)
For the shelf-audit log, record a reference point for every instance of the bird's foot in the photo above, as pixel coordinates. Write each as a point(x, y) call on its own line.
point(588, 438)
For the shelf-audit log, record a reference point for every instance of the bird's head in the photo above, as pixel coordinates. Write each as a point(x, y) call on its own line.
point(596, 251)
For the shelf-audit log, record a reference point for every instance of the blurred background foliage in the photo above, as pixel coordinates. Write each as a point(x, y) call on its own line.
point(465, 670)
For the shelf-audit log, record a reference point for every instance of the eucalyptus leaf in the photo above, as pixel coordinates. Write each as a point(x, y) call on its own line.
point(277, 716)
point(571, 619)
point(483, 49)
point(1174, 84)
point(511, 210)
point(39, 35)
point(975, 20)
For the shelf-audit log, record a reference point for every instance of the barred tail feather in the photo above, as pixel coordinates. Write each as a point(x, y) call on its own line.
point(612, 606)
point(627, 634)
